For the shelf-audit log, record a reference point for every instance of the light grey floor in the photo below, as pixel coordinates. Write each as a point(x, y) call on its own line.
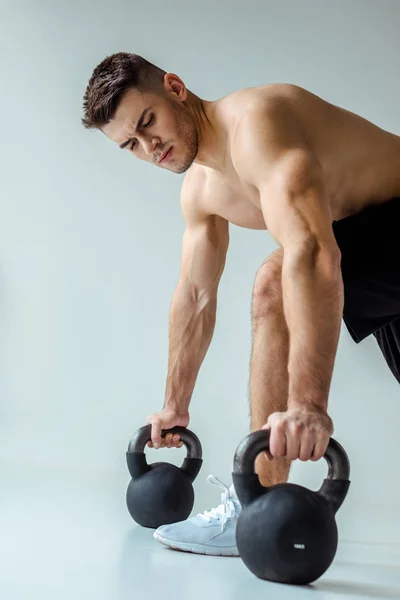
point(64, 538)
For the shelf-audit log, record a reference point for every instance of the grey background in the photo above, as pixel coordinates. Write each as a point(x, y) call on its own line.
point(90, 243)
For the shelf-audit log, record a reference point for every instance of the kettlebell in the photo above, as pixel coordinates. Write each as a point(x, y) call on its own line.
point(161, 493)
point(287, 533)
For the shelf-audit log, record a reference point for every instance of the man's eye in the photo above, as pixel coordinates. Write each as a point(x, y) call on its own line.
point(145, 125)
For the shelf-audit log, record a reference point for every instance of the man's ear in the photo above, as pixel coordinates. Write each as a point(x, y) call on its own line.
point(174, 84)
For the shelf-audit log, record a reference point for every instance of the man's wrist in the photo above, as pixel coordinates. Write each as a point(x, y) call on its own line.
point(178, 407)
point(319, 404)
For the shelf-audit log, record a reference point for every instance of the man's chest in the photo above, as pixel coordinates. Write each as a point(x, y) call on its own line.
point(234, 200)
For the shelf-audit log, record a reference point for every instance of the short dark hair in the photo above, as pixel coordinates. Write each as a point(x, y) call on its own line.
point(111, 79)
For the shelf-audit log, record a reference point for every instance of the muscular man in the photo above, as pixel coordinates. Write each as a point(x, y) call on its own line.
point(325, 182)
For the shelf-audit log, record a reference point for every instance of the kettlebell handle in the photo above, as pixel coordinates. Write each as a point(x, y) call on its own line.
point(143, 435)
point(247, 484)
point(258, 441)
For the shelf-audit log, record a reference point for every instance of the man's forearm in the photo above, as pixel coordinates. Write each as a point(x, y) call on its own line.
point(313, 304)
point(192, 323)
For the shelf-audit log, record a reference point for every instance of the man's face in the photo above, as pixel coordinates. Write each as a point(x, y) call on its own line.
point(155, 128)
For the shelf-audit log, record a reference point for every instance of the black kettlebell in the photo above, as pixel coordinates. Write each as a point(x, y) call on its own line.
point(161, 493)
point(287, 533)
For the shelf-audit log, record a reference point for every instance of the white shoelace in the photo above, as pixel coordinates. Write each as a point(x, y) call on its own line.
point(225, 510)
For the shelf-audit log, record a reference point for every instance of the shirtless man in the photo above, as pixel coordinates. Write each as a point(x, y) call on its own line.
point(326, 184)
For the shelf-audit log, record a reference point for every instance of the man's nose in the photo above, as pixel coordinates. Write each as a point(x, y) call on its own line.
point(149, 146)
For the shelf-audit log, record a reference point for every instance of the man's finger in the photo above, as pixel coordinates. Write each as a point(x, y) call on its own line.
point(156, 434)
point(319, 449)
point(293, 440)
point(307, 446)
point(277, 442)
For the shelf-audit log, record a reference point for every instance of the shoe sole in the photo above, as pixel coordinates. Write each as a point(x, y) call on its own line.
point(195, 548)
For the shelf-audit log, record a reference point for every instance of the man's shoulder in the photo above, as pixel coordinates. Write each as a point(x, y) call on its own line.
point(269, 96)
point(273, 106)
point(200, 187)
point(194, 182)
point(274, 122)
point(193, 194)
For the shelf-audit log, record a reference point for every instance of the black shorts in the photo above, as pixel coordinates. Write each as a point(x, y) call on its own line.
point(370, 245)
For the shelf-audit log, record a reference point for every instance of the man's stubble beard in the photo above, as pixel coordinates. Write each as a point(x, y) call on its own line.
point(187, 134)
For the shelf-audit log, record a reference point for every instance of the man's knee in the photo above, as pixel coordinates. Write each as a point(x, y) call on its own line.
point(267, 291)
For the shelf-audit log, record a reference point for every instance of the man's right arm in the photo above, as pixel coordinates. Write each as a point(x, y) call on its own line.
point(193, 311)
point(194, 303)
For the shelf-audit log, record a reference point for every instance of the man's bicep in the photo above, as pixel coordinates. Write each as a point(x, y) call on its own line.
point(295, 214)
point(204, 247)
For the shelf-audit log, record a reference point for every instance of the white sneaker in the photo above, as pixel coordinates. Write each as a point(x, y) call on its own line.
point(212, 532)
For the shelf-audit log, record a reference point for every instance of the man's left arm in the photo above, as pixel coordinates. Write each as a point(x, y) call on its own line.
point(296, 210)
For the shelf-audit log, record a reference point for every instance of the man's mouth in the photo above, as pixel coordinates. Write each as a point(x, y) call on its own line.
point(165, 155)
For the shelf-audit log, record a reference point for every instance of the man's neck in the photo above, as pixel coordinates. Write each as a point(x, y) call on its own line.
point(211, 134)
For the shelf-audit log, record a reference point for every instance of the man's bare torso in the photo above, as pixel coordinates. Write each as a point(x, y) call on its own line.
point(360, 161)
